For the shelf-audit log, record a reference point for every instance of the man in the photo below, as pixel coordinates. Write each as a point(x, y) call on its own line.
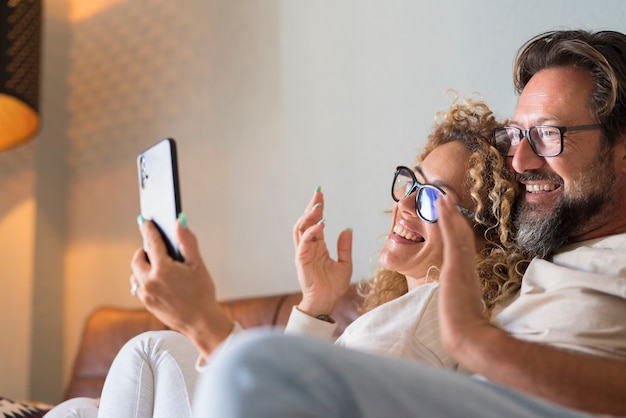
point(560, 348)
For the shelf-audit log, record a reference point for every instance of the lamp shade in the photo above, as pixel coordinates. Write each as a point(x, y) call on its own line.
point(20, 42)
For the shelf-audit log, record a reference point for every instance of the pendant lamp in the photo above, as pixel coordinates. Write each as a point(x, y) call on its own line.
point(20, 40)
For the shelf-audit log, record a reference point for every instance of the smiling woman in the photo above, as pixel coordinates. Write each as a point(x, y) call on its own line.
point(415, 244)
point(458, 158)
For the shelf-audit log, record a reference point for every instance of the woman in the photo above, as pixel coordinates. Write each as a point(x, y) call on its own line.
point(153, 374)
point(401, 298)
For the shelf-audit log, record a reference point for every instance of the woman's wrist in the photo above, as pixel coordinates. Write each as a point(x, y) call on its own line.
point(210, 331)
point(316, 308)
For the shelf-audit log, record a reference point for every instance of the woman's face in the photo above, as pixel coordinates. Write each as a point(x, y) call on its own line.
point(414, 245)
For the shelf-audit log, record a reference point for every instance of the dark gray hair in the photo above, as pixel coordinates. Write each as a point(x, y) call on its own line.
point(601, 53)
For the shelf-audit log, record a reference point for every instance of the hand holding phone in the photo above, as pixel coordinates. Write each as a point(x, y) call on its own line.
point(159, 192)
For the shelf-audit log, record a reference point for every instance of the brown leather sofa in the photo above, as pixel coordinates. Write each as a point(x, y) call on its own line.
point(108, 328)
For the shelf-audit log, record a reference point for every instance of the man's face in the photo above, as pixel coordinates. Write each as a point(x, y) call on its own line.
point(567, 197)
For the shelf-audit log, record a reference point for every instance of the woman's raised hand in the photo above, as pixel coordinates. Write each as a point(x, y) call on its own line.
point(323, 280)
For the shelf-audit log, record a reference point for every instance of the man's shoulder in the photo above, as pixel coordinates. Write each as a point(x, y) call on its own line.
point(601, 257)
point(608, 242)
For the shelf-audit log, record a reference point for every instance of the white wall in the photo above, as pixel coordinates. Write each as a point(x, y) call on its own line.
point(267, 100)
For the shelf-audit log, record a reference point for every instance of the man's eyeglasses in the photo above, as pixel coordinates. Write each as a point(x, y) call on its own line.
point(405, 183)
point(545, 140)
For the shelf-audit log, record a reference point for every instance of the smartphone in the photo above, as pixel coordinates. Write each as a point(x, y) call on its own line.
point(159, 192)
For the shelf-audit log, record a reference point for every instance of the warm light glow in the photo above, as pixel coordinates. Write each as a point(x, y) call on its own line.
point(84, 9)
point(17, 249)
point(18, 121)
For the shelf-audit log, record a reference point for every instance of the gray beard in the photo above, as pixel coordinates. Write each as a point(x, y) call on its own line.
point(542, 234)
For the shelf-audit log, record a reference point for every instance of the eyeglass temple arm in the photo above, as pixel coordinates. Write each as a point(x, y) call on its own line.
point(465, 212)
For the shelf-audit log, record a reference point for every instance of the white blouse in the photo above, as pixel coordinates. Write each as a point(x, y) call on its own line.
point(406, 327)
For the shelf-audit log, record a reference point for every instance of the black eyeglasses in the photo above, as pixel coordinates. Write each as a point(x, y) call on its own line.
point(545, 140)
point(405, 183)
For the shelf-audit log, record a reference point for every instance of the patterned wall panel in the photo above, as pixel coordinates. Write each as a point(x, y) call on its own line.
point(129, 79)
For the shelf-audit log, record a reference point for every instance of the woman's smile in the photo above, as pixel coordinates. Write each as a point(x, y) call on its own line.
point(407, 235)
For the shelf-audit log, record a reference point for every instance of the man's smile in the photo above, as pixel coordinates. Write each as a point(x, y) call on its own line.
point(541, 187)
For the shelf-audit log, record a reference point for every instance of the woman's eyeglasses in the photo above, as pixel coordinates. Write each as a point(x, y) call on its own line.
point(405, 183)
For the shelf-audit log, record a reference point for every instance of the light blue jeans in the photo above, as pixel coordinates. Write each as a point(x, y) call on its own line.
point(264, 374)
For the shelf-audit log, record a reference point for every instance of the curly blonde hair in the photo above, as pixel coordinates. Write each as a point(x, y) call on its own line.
point(501, 262)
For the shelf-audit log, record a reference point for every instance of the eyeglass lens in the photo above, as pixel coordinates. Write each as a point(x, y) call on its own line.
point(425, 199)
point(544, 140)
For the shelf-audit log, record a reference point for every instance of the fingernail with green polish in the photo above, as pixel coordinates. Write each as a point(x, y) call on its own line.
point(315, 206)
point(183, 220)
point(140, 220)
point(321, 221)
point(318, 189)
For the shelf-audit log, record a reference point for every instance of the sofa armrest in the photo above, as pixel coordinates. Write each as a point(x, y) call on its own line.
point(108, 328)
